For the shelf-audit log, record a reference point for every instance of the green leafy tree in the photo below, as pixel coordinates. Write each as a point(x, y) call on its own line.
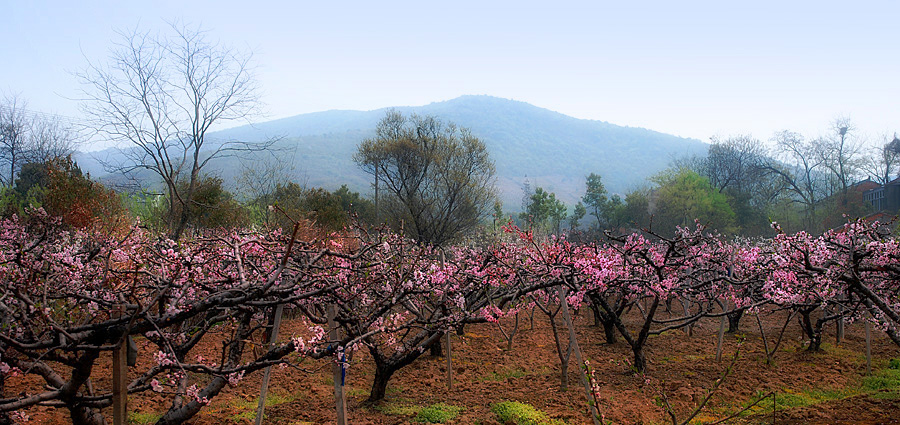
point(544, 210)
point(354, 204)
point(498, 214)
point(684, 196)
point(577, 214)
point(636, 208)
point(595, 198)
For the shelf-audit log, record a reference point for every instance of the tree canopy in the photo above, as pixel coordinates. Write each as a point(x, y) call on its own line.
point(439, 178)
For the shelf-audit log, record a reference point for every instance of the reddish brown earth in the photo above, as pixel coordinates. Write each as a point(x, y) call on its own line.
point(682, 367)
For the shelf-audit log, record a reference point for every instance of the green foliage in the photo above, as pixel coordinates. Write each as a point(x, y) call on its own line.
point(212, 206)
point(150, 208)
point(506, 374)
point(354, 204)
point(437, 413)
point(685, 196)
point(577, 214)
point(543, 210)
point(885, 379)
point(63, 191)
point(12, 202)
point(636, 210)
point(894, 364)
point(513, 412)
point(143, 418)
point(595, 197)
point(329, 210)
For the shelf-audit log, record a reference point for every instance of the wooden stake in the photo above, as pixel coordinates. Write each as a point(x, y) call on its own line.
point(839, 335)
point(449, 351)
point(721, 338)
point(337, 369)
point(120, 376)
point(762, 333)
point(573, 339)
point(275, 323)
point(868, 347)
point(449, 363)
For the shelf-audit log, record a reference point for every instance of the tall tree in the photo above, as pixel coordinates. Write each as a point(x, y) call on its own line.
point(803, 174)
point(595, 198)
point(439, 177)
point(158, 98)
point(544, 210)
point(840, 152)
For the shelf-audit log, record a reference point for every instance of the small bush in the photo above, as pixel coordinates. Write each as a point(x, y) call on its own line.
point(521, 414)
point(894, 364)
point(437, 413)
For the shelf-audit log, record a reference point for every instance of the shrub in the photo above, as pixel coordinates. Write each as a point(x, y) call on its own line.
point(63, 191)
point(521, 414)
point(437, 413)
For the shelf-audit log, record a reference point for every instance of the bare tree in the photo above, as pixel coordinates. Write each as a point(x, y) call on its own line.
point(259, 179)
point(734, 163)
point(803, 176)
point(158, 98)
point(840, 153)
point(14, 128)
point(30, 137)
point(881, 163)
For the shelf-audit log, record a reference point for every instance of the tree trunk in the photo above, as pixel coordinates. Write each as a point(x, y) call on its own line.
point(609, 325)
point(383, 374)
point(83, 415)
point(609, 329)
point(640, 361)
point(596, 311)
point(734, 320)
point(814, 332)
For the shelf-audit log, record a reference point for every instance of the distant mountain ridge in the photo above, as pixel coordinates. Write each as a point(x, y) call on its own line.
point(550, 149)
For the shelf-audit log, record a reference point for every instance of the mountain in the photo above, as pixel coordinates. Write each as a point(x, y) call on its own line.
point(551, 150)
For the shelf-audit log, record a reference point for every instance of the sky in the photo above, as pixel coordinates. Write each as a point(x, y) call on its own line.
point(697, 69)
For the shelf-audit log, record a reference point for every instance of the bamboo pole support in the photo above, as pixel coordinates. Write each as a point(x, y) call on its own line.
point(337, 369)
point(120, 375)
point(264, 387)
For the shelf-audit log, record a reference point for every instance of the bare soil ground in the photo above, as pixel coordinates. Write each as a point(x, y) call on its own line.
point(826, 387)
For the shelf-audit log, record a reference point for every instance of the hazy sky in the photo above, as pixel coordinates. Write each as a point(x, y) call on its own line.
point(690, 68)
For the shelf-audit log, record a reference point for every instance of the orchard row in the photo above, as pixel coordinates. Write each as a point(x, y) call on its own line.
point(67, 297)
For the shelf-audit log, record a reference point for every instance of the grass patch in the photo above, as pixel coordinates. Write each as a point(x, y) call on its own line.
point(399, 407)
point(789, 399)
point(247, 408)
point(437, 413)
point(884, 379)
point(521, 414)
point(143, 418)
point(356, 392)
point(504, 375)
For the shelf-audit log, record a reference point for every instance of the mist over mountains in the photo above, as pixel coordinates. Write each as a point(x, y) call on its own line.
point(549, 149)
